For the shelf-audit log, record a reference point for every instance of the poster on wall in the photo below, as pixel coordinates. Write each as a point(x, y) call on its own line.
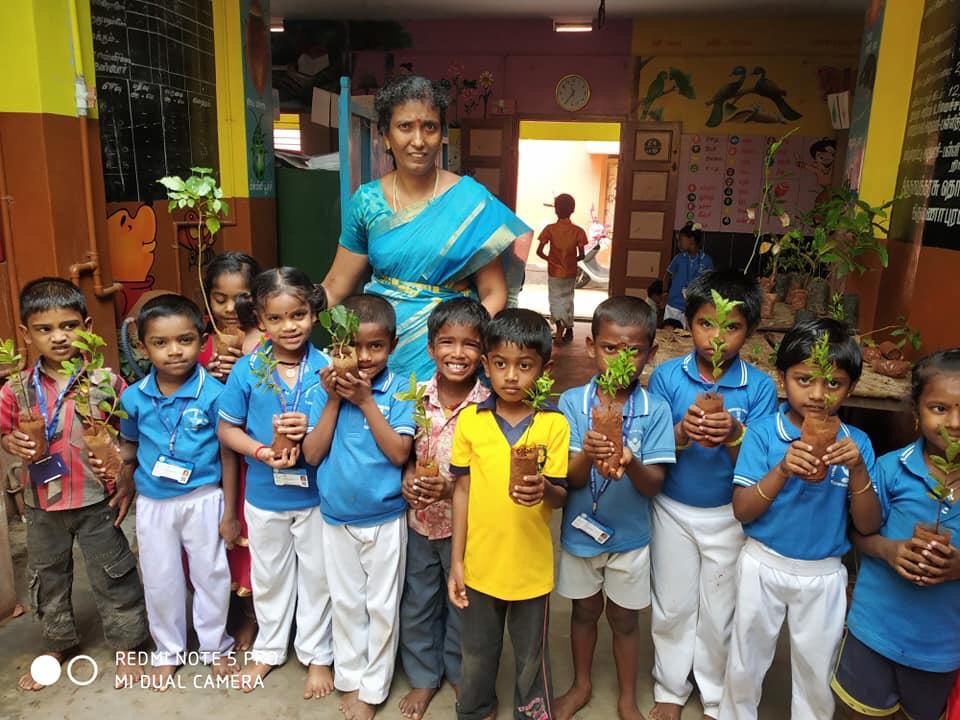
point(928, 180)
point(258, 96)
point(863, 92)
point(156, 92)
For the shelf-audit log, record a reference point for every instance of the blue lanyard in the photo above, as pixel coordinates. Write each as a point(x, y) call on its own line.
point(50, 423)
point(180, 405)
point(599, 487)
point(298, 388)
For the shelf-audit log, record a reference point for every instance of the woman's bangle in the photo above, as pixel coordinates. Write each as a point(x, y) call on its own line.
point(862, 490)
point(743, 434)
point(256, 453)
point(763, 494)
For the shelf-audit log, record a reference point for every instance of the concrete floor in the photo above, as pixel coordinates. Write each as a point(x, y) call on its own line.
point(20, 642)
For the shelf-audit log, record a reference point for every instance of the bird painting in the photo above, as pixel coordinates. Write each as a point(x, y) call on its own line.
point(724, 94)
point(770, 90)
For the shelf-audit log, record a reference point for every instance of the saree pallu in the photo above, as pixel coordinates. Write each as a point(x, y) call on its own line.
point(421, 253)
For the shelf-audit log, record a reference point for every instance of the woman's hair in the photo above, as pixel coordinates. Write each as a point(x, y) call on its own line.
point(402, 89)
point(944, 361)
point(279, 281)
point(228, 263)
point(692, 231)
point(798, 343)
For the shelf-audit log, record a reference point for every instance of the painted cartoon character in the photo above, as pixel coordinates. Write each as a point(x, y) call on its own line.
point(824, 153)
point(132, 244)
point(190, 235)
point(258, 148)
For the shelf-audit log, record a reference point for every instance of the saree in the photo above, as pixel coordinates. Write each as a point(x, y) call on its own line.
point(420, 253)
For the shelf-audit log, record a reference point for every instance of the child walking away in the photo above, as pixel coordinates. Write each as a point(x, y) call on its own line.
point(902, 648)
point(696, 539)
point(362, 436)
point(65, 501)
point(429, 624)
point(605, 536)
point(795, 519)
point(567, 242)
point(171, 449)
point(263, 416)
point(689, 264)
point(501, 569)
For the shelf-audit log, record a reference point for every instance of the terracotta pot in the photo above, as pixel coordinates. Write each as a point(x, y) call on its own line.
point(523, 462)
point(608, 421)
point(797, 298)
point(892, 368)
point(821, 433)
point(818, 295)
point(281, 443)
point(925, 532)
point(104, 448)
point(227, 339)
point(768, 304)
point(890, 351)
point(765, 283)
point(871, 354)
point(710, 402)
point(344, 361)
point(30, 423)
point(425, 467)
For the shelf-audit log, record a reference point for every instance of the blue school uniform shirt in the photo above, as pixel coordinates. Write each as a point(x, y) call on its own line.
point(245, 405)
point(684, 269)
point(181, 426)
point(648, 432)
point(914, 626)
point(701, 476)
point(358, 483)
point(806, 521)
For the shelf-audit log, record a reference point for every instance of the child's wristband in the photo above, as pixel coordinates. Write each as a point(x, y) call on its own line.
point(256, 453)
point(743, 434)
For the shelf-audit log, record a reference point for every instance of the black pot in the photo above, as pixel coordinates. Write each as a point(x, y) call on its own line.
point(784, 281)
point(804, 315)
point(851, 310)
point(818, 295)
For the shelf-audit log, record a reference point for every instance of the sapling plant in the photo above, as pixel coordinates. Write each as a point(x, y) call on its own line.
point(947, 466)
point(526, 460)
point(835, 309)
point(712, 401)
point(29, 422)
point(427, 462)
point(263, 370)
point(607, 416)
point(342, 325)
point(820, 430)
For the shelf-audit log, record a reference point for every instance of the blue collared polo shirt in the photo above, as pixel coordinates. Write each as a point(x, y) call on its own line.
point(358, 483)
point(915, 626)
point(683, 270)
point(806, 521)
point(182, 425)
point(648, 432)
point(245, 405)
point(701, 476)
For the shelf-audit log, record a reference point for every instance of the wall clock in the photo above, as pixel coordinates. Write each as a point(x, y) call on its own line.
point(573, 92)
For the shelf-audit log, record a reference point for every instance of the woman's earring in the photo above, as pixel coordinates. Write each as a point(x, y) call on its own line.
point(916, 423)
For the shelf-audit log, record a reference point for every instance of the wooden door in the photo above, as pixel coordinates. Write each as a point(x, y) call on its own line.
point(646, 195)
point(488, 154)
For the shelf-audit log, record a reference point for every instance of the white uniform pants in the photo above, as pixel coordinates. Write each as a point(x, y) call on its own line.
point(366, 569)
point(812, 596)
point(693, 554)
point(190, 522)
point(287, 572)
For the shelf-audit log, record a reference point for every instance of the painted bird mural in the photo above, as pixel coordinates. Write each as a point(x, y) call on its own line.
point(769, 89)
point(726, 94)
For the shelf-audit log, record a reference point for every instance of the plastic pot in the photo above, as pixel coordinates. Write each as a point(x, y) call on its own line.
point(818, 295)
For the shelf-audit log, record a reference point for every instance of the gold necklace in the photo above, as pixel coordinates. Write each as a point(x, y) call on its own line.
point(396, 194)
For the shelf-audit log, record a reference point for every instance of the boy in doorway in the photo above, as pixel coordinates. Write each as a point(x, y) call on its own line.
point(567, 242)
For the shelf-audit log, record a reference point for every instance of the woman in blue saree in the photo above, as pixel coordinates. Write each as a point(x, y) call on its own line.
point(426, 234)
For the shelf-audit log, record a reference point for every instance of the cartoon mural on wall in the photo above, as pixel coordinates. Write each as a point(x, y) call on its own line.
point(822, 153)
point(132, 244)
point(258, 97)
point(725, 107)
point(666, 82)
point(191, 235)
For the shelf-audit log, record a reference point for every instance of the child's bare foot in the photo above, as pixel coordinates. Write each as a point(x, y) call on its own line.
point(415, 703)
point(251, 673)
point(319, 682)
point(627, 709)
point(359, 710)
point(26, 681)
point(128, 673)
point(567, 705)
point(18, 610)
point(347, 699)
point(222, 666)
point(246, 632)
point(665, 711)
point(161, 679)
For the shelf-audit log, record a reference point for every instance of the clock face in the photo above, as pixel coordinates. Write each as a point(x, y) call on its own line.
point(573, 92)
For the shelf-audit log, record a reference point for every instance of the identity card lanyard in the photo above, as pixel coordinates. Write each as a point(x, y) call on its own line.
point(298, 388)
point(180, 406)
point(50, 423)
point(598, 488)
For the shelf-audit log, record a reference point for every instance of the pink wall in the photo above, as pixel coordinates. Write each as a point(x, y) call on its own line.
point(526, 58)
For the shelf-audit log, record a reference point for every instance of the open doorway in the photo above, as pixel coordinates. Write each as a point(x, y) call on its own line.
point(580, 159)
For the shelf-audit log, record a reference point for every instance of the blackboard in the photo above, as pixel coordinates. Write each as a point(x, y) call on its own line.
point(156, 92)
point(928, 181)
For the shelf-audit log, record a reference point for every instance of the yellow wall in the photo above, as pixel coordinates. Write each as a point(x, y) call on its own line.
point(231, 128)
point(595, 131)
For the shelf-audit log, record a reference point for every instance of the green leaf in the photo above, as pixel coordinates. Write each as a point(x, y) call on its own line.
point(213, 225)
point(172, 183)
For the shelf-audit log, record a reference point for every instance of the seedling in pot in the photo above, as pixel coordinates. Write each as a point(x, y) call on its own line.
point(264, 372)
point(712, 401)
point(527, 460)
point(607, 415)
point(342, 325)
point(29, 421)
point(426, 464)
point(820, 431)
point(942, 491)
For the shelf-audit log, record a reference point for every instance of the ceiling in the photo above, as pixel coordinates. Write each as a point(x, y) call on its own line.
point(417, 9)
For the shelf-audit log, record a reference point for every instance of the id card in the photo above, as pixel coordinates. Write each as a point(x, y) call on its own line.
point(297, 477)
point(47, 469)
point(592, 527)
point(168, 468)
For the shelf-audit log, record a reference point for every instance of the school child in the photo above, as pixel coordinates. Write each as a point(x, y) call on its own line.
point(361, 435)
point(501, 568)
point(797, 529)
point(283, 518)
point(901, 651)
point(685, 267)
point(657, 300)
point(64, 500)
point(605, 535)
point(567, 242)
point(429, 624)
point(695, 537)
point(169, 445)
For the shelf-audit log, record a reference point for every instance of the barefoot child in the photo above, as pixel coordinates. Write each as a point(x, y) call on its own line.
point(68, 503)
point(362, 435)
point(282, 504)
point(611, 493)
point(429, 624)
point(170, 448)
point(696, 539)
point(567, 242)
point(902, 648)
point(797, 529)
point(501, 568)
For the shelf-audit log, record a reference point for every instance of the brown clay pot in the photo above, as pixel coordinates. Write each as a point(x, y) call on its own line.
point(821, 433)
point(227, 339)
point(104, 449)
point(425, 467)
point(765, 283)
point(797, 299)
point(281, 443)
point(890, 351)
point(925, 532)
point(709, 402)
point(607, 417)
point(30, 423)
point(892, 368)
point(523, 462)
point(871, 354)
point(767, 304)
point(345, 362)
